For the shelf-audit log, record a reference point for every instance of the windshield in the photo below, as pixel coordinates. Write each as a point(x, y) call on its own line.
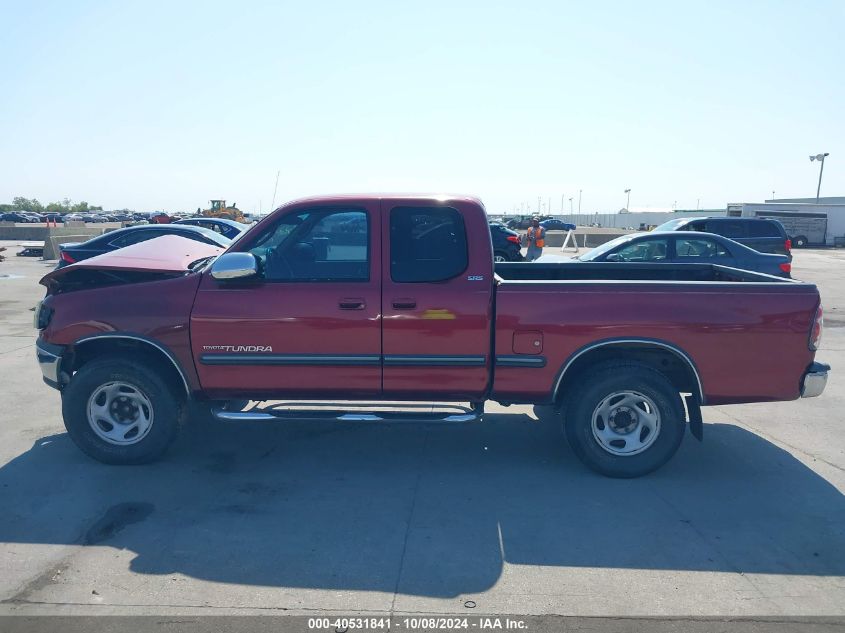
point(671, 225)
point(598, 251)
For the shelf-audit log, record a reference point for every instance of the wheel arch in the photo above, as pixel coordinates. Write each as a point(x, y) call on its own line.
point(661, 355)
point(88, 348)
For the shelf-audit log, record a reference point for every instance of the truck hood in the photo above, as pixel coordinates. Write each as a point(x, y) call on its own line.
point(163, 256)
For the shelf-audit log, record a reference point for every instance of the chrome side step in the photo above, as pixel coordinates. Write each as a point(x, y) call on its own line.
point(474, 413)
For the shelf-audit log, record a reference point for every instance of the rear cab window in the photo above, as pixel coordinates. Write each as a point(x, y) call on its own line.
point(427, 244)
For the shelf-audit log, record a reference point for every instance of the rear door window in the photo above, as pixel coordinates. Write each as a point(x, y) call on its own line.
point(427, 244)
point(698, 248)
point(131, 237)
point(731, 229)
point(763, 229)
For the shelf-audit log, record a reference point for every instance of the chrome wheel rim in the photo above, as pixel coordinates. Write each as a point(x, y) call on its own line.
point(626, 423)
point(499, 258)
point(120, 413)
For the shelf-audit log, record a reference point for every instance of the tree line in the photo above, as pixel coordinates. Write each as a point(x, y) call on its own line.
point(33, 206)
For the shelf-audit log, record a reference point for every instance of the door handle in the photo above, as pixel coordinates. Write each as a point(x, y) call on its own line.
point(404, 304)
point(351, 304)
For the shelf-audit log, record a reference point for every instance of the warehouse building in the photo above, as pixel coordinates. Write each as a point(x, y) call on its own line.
point(808, 223)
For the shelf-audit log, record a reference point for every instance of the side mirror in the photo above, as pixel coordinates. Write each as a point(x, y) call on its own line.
point(234, 266)
point(613, 257)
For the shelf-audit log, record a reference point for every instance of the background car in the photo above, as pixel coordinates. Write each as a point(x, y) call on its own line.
point(227, 228)
point(506, 243)
point(761, 234)
point(161, 218)
point(15, 217)
point(685, 247)
point(523, 222)
point(553, 224)
point(113, 240)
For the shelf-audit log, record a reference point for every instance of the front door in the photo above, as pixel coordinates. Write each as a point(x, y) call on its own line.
point(437, 310)
point(310, 325)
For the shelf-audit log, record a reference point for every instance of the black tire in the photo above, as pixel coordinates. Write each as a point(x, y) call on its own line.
point(600, 383)
point(500, 256)
point(168, 410)
point(799, 241)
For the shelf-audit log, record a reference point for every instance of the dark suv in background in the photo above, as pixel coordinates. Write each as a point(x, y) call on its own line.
point(506, 243)
point(761, 234)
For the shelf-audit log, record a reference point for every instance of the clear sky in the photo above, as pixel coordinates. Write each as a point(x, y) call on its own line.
point(152, 105)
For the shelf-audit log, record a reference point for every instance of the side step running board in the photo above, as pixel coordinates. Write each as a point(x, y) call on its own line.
point(463, 414)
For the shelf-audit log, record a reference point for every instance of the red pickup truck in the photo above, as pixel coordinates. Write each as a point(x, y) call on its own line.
point(396, 298)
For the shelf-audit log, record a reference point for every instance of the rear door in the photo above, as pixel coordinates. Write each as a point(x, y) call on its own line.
point(437, 309)
point(310, 326)
point(766, 236)
point(763, 237)
point(702, 250)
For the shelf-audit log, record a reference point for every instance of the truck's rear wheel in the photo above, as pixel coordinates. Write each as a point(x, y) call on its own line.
point(625, 419)
point(120, 412)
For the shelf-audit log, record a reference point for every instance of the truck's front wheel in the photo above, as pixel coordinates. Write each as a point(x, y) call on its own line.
point(625, 419)
point(120, 412)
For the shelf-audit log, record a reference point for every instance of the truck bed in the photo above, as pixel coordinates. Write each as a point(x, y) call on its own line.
point(726, 320)
point(623, 271)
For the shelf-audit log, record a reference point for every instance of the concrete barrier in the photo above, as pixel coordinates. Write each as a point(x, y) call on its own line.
point(42, 233)
point(585, 237)
point(51, 246)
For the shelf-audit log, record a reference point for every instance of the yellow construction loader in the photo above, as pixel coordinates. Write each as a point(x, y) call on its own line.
point(220, 210)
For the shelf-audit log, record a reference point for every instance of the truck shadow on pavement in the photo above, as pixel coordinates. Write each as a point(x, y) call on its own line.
point(424, 510)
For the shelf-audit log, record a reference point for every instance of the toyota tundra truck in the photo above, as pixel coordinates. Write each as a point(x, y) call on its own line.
point(373, 299)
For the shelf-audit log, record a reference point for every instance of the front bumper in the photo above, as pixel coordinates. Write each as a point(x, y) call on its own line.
point(815, 380)
point(50, 361)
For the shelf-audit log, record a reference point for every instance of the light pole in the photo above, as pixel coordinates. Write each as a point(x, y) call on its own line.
point(820, 158)
point(570, 206)
point(628, 204)
point(579, 201)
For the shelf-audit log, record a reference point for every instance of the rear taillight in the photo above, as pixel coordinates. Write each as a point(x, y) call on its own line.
point(67, 258)
point(43, 314)
point(513, 238)
point(786, 267)
point(816, 330)
point(788, 244)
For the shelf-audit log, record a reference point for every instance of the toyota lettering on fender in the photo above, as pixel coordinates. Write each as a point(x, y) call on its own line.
point(396, 298)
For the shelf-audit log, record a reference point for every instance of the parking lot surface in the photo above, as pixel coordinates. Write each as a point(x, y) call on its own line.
point(496, 517)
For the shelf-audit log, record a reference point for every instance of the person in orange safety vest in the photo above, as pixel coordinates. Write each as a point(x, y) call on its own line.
point(536, 238)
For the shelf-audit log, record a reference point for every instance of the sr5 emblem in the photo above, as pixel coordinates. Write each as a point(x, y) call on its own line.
point(475, 277)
